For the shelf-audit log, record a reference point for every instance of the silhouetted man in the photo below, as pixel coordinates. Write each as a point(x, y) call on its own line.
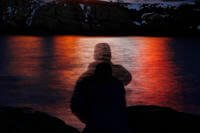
point(99, 102)
point(102, 53)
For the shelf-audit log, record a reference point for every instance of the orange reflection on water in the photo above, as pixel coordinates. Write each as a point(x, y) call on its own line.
point(155, 78)
point(24, 52)
point(68, 68)
point(67, 60)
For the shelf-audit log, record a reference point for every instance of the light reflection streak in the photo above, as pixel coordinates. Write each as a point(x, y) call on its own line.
point(155, 74)
point(23, 55)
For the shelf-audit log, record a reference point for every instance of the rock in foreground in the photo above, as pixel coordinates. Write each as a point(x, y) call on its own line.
point(142, 119)
point(153, 119)
point(26, 120)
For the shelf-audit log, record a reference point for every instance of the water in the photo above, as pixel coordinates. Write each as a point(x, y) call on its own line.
point(40, 72)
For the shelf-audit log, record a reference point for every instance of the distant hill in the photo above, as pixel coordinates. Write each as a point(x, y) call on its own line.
point(137, 1)
point(78, 17)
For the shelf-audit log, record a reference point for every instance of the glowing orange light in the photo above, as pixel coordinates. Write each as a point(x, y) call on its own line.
point(23, 51)
point(155, 78)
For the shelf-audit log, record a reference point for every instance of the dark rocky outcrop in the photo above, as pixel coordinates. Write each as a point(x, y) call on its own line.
point(142, 119)
point(153, 119)
point(26, 120)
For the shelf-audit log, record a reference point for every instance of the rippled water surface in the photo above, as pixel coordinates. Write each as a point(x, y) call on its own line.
point(41, 72)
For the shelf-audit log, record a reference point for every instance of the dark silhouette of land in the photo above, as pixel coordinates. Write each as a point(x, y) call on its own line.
point(98, 18)
point(154, 119)
point(141, 119)
point(27, 120)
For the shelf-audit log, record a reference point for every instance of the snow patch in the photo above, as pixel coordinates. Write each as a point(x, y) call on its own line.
point(30, 19)
point(198, 27)
point(138, 5)
point(137, 23)
point(10, 11)
point(134, 6)
point(82, 6)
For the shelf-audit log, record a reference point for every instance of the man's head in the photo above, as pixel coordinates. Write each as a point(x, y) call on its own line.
point(102, 52)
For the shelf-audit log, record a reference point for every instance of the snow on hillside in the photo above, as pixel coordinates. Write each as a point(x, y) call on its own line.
point(137, 6)
point(153, 1)
point(30, 18)
point(134, 1)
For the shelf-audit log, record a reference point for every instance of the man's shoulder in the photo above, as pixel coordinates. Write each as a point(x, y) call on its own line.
point(117, 81)
point(85, 79)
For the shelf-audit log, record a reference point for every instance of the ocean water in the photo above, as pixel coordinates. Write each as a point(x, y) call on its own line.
point(40, 72)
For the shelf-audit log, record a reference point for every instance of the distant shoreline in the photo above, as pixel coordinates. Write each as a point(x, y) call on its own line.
point(195, 35)
point(101, 18)
point(142, 1)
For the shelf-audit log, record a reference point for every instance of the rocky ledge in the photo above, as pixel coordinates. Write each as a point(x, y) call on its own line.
point(142, 119)
point(26, 120)
point(154, 119)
